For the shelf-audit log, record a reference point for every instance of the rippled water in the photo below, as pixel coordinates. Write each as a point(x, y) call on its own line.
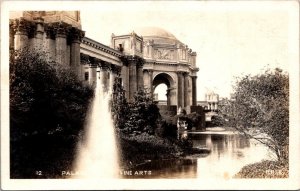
point(229, 153)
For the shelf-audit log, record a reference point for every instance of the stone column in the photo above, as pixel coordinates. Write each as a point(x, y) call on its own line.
point(125, 79)
point(146, 79)
point(38, 42)
point(168, 97)
point(103, 75)
point(93, 75)
point(61, 43)
point(50, 41)
point(140, 76)
point(151, 51)
point(180, 92)
point(76, 36)
point(186, 85)
point(194, 90)
point(151, 82)
point(12, 33)
point(21, 36)
point(132, 78)
point(114, 71)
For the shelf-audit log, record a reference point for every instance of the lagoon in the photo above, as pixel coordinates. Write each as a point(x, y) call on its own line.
point(229, 152)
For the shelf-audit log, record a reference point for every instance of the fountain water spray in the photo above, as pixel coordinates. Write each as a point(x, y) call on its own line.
point(98, 154)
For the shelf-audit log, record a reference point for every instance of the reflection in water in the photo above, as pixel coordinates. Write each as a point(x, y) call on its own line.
point(229, 153)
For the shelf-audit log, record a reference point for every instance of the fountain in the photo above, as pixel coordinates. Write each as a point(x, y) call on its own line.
point(98, 153)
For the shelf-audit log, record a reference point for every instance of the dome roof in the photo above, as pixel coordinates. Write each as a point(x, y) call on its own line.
point(154, 32)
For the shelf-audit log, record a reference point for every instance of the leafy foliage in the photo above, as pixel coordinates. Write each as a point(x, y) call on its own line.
point(260, 110)
point(194, 120)
point(142, 115)
point(119, 105)
point(216, 121)
point(45, 96)
point(264, 169)
point(48, 105)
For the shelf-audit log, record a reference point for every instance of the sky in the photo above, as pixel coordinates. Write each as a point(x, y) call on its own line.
point(231, 38)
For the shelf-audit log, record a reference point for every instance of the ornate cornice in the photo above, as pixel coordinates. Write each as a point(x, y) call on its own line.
point(102, 47)
point(50, 32)
point(133, 59)
point(76, 35)
point(23, 26)
point(105, 66)
point(61, 29)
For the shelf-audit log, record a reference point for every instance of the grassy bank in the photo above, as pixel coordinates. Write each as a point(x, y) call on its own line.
point(264, 169)
point(140, 148)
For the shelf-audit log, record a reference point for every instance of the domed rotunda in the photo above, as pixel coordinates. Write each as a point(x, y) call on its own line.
point(166, 60)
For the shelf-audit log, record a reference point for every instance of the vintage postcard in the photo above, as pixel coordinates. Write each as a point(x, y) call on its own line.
point(149, 95)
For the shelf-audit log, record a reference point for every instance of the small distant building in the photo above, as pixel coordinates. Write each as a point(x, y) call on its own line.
point(211, 101)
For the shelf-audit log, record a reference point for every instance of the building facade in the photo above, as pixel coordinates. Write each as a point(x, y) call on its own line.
point(144, 58)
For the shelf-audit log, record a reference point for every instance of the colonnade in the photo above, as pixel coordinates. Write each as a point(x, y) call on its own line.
point(212, 106)
point(59, 40)
point(132, 75)
point(183, 93)
point(107, 72)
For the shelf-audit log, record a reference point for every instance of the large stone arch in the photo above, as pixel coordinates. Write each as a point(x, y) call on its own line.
point(170, 82)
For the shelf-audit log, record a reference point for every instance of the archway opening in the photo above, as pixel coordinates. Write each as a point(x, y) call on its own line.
point(160, 94)
point(163, 84)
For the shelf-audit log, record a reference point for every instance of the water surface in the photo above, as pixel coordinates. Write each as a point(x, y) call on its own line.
point(229, 153)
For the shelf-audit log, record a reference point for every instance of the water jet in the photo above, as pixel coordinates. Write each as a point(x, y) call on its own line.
point(97, 151)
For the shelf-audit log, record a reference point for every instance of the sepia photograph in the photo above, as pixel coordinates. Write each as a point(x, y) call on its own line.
point(150, 95)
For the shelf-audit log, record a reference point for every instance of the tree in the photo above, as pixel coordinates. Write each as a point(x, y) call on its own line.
point(141, 115)
point(145, 113)
point(259, 109)
point(48, 106)
point(45, 96)
point(120, 107)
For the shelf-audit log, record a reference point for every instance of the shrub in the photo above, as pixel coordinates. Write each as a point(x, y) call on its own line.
point(142, 115)
point(48, 105)
point(264, 169)
point(260, 110)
